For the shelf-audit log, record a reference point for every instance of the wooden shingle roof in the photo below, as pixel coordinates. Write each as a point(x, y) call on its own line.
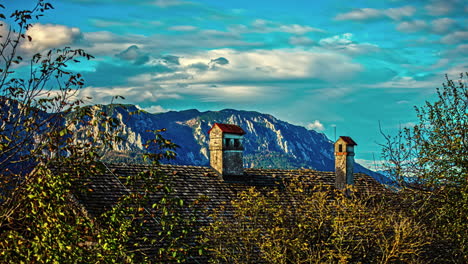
point(192, 182)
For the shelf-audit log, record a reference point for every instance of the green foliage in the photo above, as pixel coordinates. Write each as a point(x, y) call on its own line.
point(297, 223)
point(434, 151)
point(441, 137)
point(46, 163)
point(40, 223)
point(430, 160)
point(28, 135)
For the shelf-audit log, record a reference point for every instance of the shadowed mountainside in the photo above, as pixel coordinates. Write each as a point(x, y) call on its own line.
point(269, 142)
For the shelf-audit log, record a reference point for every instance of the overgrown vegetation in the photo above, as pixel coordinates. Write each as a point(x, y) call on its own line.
point(433, 152)
point(311, 224)
point(47, 161)
point(430, 161)
point(425, 221)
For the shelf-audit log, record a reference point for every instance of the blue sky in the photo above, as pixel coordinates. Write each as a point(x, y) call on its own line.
point(319, 64)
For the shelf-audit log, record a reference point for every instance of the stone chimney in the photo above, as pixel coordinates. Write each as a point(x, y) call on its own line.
point(344, 162)
point(226, 147)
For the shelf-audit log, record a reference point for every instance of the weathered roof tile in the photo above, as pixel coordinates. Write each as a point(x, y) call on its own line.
point(228, 128)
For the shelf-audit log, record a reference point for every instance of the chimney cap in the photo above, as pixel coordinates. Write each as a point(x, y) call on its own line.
point(348, 140)
point(228, 128)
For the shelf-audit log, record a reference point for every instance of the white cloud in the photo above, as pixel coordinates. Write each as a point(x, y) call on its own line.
point(105, 23)
point(134, 54)
point(364, 14)
point(412, 26)
point(228, 75)
point(297, 29)
point(442, 25)
point(455, 37)
point(254, 66)
point(101, 36)
point(131, 53)
point(230, 93)
point(153, 109)
point(107, 43)
point(440, 63)
point(316, 125)
point(454, 72)
point(266, 26)
point(345, 43)
point(399, 13)
point(406, 125)
point(403, 82)
point(47, 36)
point(133, 94)
point(360, 14)
point(300, 41)
point(402, 102)
point(343, 39)
point(460, 50)
point(453, 8)
point(168, 3)
point(444, 7)
point(283, 64)
point(183, 28)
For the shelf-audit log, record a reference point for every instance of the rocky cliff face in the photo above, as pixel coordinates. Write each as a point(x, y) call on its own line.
point(269, 142)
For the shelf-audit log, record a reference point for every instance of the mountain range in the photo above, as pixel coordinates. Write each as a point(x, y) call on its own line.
point(268, 143)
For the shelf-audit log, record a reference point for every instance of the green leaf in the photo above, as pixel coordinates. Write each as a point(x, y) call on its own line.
point(63, 132)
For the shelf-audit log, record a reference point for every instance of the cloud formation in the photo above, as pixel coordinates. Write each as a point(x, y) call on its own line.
point(168, 3)
point(220, 61)
point(442, 25)
point(153, 109)
point(223, 75)
point(267, 26)
point(360, 14)
point(345, 43)
point(47, 36)
point(124, 23)
point(133, 93)
point(316, 125)
point(445, 7)
point(365, 14)
point(412, 26)
point(455, 37)
point(403, 82)
point(183, 28)
point(301, 41)
point(134, 55)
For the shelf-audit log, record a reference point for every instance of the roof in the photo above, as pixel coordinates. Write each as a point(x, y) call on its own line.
point(228, 128)
point(348, 140)
point(192, 182)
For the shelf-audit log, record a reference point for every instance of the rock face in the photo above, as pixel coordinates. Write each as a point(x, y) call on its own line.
point(268, 142)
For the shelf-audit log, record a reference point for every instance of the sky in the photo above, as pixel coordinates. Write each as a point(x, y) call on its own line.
point(325, 65)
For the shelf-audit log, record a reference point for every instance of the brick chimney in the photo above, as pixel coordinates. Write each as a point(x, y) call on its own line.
point(226, 149)
point(344, 162)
